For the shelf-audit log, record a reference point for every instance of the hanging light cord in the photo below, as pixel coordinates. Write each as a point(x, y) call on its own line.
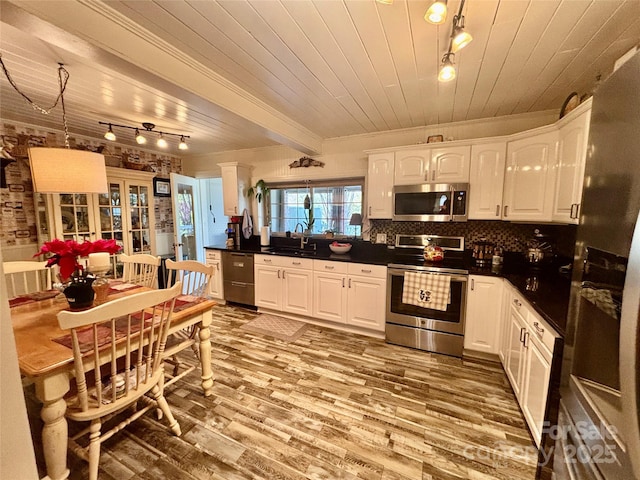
point(63, 78)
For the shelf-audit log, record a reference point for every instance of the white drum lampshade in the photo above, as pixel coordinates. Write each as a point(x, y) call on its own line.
point(63, 170)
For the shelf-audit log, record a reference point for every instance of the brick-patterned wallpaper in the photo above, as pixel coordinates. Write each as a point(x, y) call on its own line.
point(510, 236)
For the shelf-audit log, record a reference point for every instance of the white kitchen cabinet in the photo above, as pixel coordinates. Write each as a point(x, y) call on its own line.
point(412, 167)
point(450, 164)
point(125, 213)
point(530, 177)
point(284, 284)
point(572, 151)
point(380, 185)
point(484, 314)
point(350, 293)
point(507, 295)
point(214, 258)
point(236, 180)
point(530, 347)
point(442, 165)
point(486, 180)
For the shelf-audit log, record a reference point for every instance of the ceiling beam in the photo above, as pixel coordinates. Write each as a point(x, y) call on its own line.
point(102, 35)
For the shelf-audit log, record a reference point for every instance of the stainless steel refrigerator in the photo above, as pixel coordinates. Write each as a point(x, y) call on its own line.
point(598, 434)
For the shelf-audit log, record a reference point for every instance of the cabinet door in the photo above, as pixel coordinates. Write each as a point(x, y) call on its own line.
point(486, 181)
point(411, 167)
point(297, 291)
point(329, 296)
point(268, 287)
point(74, 217)
point(572, 151)
point(139, 209)
point(215, 287)
point(380, 185)
point(366, 305)
point(450, 165)
point(112, 213)
point(484, 314)
point(515, 351)
point(530, 178)
point(504, 327)
point(535, 386)
point(230, 191)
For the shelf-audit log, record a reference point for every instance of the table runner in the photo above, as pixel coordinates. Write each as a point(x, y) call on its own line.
point(32, 297)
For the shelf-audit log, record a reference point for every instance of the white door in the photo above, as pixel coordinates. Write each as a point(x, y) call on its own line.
point(268, 287)
point(515, 352)
point(297, 291)
point(450, 165)
point(411, 167)
point(366, 302)
point(186, 210)
point(380, 185)
point(486, 181)
point(484, 312)
point(535, 386)
point(329, 296)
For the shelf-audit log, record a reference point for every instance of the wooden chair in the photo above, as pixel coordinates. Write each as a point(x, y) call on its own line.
point(117, 350)
point(140, 269)
point(26, 277)
point(195, 278)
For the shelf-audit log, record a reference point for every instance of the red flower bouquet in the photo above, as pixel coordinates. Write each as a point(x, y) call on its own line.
point(65, 253)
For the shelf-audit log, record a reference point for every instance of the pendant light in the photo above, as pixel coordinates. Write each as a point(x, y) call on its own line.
point(183, 144)
point(140, 139)
point(437, 12)
point(161, 142)
point(460, 38)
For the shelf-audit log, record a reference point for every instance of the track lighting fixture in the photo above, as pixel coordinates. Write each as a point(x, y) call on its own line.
point(447, 70)
point(149, 129)
point(437, 12)
point(458, 39)
point(110, 135)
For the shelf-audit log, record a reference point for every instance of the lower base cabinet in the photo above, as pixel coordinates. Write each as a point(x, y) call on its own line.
point(284, 284)
point(527, 355)
point(484, 306)
point(350, 293)
point(214, 258)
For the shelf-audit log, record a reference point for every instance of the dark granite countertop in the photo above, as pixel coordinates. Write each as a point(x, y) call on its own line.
point(545, 288)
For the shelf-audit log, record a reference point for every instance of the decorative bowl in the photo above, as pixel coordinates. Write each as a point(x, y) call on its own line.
point(340, 247)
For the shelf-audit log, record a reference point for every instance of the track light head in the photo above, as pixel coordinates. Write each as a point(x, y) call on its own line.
point(183, 144)
point(460, 38)
point(447, 70)
point(161, 142)
point(437, 12)
point(110, 135)
point(140, 139)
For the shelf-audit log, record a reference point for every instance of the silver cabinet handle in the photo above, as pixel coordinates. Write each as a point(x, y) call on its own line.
point(283, 274)
point(342, 282)
point(329, 267)
point(522, 332)
point(278, 273)
point(498, 210)
point(525, 340)
point(538, 328)
point(473, 284)
point(266, 260)
point(369, 210)
point(433, 175)
point(295, 263)
point(365, 271)
point(504, 212)
point(517, 302)
point(349, 283)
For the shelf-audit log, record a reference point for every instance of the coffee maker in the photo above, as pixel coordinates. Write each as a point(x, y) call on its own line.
point(234, 233)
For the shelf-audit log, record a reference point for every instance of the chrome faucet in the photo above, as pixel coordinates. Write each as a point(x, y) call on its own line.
point(303, 242)
point(295, 230)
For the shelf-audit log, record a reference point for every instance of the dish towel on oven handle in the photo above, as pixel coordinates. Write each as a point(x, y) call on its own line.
point(427, 290)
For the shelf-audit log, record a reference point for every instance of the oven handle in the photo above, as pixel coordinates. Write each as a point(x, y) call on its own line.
point(454, 277)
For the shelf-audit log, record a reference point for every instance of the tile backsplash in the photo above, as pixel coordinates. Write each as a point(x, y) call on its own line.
point(510, 236)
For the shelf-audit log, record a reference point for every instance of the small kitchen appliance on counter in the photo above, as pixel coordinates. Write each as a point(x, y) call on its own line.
point(483, 251)
point(234, 232)
point(539, 249)
point(410, 325)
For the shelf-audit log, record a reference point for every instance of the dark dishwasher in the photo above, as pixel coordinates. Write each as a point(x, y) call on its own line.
point(237, 272)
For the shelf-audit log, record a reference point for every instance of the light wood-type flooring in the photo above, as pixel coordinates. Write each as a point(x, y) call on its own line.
point(331, 405)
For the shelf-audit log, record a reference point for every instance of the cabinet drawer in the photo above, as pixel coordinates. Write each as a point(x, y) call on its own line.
point(330, 267)
point(542, 331)
point(519, 304)
point(212, 254)
point(285, 262)
point(364, 270)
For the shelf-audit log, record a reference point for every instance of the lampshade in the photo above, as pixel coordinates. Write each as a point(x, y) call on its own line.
point(356, 219)
point(63, 170)
point(437, 12)
point(460, 39)
point(448, 71)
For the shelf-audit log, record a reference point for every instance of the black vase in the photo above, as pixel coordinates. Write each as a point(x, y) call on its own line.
point(79, 291)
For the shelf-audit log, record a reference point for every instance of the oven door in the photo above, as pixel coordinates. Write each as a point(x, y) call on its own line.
point(451, 320)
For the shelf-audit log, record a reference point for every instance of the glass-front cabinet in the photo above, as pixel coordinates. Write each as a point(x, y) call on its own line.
point(125, 213)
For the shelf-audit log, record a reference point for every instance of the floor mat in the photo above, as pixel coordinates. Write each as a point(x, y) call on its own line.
point(277, 327)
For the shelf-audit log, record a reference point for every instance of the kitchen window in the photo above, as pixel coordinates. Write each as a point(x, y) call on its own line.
point(332, 204)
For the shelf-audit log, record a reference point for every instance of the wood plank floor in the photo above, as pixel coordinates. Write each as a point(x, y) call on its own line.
point(331, 405)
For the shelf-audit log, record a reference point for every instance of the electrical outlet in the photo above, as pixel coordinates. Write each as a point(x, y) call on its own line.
point(381, 238)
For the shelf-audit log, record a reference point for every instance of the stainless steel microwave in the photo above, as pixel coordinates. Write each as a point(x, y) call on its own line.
point(431, 202)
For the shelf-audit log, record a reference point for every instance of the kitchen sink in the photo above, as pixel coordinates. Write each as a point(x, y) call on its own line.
point(298, 252)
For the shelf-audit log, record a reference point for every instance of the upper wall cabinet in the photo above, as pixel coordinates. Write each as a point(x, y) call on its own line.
point(486, 180)
point(380, 185)
point(236, 179)
point(450, 164)
point(412, 167)
point(443, 165)
point(530, 177)
point(572, 152)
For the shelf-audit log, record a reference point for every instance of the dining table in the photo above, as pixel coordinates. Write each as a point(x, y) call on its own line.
point(46, 358)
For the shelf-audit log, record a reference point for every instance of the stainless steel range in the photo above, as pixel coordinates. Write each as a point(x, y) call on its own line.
point(440, 331)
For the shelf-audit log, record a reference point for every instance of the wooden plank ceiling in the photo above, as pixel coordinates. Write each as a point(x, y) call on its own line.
point(240, 74)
